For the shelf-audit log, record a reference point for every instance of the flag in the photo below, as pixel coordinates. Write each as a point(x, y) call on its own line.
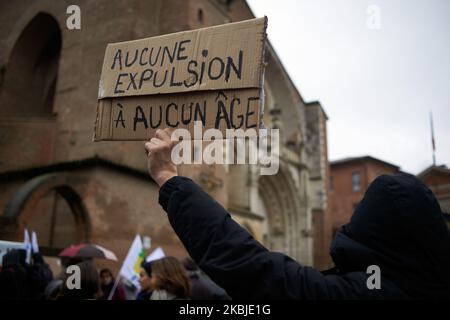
point(158, 253)
point(6, 246)
point(34, 242)
point(27, 245)
point(132, 263)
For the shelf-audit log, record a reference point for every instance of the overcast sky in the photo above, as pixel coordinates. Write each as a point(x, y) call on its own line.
point(377, 86)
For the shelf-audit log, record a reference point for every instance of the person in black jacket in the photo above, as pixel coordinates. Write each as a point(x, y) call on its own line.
point(398, 227)
point(20, 280)
point(14, 276)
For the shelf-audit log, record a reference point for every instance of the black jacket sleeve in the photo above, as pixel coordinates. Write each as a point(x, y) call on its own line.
point(234, 259)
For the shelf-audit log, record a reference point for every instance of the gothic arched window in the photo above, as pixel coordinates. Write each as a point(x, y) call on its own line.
point(29, 77)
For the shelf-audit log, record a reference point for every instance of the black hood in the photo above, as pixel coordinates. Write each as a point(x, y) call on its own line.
point(398, 226)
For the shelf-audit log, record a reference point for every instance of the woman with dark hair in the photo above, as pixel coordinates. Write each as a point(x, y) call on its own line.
point(145, 281)
point(169, 280)
point(107, 284)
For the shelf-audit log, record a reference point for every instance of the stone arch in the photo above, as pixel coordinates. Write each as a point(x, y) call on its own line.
point(281, 199)
point(29, 78)
point(21, 206)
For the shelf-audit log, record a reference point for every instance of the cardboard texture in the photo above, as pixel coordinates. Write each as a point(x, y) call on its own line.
point(213, 75)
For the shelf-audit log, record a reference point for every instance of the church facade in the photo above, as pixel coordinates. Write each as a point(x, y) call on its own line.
point(55, 180)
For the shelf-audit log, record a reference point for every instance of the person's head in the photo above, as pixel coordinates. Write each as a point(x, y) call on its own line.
point(399, 227)
point(145, 276)
point(14, 282)
point(106, 277)
point(14, 258)
point(89, 282)
point(169, 274)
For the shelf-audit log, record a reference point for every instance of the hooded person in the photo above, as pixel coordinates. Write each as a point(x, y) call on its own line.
point(14, 282)
point(398, 229)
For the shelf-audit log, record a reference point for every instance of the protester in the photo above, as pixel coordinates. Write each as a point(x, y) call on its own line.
point(202, 288)
point(89, 284)
point(13, 277)
point(398, 226)
point(20, 280)
point(107, 282)
point(40, 275)
point(145, 281)
point(169, 280)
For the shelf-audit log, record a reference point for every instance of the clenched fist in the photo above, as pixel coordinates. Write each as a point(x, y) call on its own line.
point(159, 149)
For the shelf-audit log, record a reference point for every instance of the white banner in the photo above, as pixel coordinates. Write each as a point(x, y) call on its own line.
point(132, 263)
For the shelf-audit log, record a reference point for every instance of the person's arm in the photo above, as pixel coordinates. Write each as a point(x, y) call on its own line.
point(222, 248)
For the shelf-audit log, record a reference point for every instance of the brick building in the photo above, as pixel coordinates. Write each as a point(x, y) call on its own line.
point(55, 180)
point(437, 178)
point(349, 180)
point(350, 177)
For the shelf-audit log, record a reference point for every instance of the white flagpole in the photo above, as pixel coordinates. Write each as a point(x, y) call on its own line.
point(116, 283)
point(27, 246)
point(34, 242)
point(433, 143)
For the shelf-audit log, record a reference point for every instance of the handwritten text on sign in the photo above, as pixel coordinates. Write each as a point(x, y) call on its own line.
point(216, 68)
point(216, 58)
point(211, 75)
point(223, 110)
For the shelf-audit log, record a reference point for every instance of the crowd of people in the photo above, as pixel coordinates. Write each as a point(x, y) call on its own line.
point(398, 227)
point(163, 279)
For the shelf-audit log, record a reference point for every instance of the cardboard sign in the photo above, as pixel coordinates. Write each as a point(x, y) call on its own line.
point(213, 75)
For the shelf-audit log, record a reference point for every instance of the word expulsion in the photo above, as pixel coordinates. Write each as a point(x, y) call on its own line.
point(213, 69)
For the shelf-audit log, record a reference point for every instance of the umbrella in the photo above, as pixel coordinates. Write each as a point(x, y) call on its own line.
point(86, 250)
